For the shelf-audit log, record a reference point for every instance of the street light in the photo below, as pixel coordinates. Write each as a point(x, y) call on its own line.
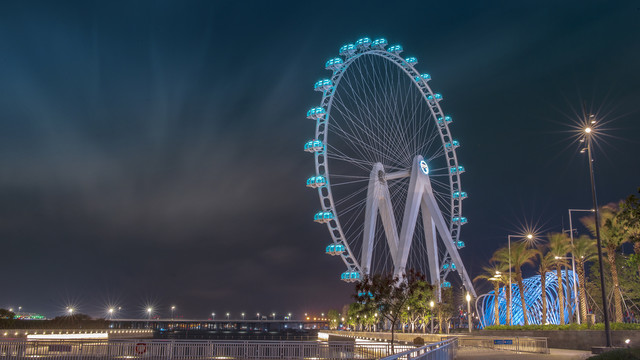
point(431, 306)
point(510, 302)
point(274, 315)
point(258, 315)
point(469, 310)
point(111, 313)
point(70, 311)
point(149, 311)
point(228, 316)
point(242, 316)
point(588, 134)
point(172, 310)
point(289, 316)
point(213, 316)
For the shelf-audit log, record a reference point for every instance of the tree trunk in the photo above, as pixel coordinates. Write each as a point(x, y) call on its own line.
point(560, 296)
point(617, 300)
point(581, 289)
point(496, 303)
point(393, 331)
point(524, 304)
point(543, 291)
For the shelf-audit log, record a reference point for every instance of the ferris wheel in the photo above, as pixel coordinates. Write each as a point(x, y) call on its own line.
point(386, 168)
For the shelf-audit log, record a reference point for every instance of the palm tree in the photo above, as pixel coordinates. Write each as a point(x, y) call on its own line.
point(629, 218)
point(521, 255)
point(559, 246)
point(584, 249)
point(545, 264)
point(611, 238)
point(493, 273)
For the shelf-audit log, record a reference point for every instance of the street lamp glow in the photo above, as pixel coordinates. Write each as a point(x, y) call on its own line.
point(529, 236)
point(587, 130)
point(468, 297)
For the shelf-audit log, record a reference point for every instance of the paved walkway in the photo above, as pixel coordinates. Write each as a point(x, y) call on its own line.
point(555, 354)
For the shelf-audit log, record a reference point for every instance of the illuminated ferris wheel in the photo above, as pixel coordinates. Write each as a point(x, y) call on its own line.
point(386, 167)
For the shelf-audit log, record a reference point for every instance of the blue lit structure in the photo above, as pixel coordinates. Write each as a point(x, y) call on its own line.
point(533, 299)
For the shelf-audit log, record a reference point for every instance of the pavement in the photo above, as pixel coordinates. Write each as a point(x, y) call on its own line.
point(555, 354)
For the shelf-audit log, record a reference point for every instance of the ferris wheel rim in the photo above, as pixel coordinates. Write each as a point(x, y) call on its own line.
point(321, 158)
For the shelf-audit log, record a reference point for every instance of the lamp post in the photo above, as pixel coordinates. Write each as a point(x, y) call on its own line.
point(431, 306)
point(575, 288)
point(510, 301)
point(228, 316)
point(173, 308)
point(213, 316)
point(469, 310)
point(588, 132)
point(242, 316)
point(149, 311)
point(573, 262)
point(111, 313)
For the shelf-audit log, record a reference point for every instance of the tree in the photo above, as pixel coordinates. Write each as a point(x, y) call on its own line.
point(559, 246)
point(545, 264)
point(6, 314)
point(418, 305)
point(445, 309)
point(387, 295)
point(493, 273)
point(629, 219)
point(334, 318)
point(353, 314)
point(521, 255)
point(584, 249)
point(611, 238)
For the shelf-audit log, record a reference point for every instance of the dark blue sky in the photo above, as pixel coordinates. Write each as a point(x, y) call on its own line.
point(151, 151)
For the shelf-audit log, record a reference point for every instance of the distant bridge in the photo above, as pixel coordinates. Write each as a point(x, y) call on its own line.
point(218, 324)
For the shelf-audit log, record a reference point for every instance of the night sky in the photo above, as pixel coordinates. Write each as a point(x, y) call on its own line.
point(151, 151)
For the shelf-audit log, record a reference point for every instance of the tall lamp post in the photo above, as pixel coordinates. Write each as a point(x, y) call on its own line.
point(469, 311)
point(588, 132)
point(573, 263)
point(173, 308)
point(510, 313)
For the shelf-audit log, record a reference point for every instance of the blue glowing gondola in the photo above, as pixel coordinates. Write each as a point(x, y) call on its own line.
point(432, 99)
point(316, 181)
point(350, 276)
point(323, 85)
point(459, 169)
point(445, 284)
point(459, 244)
point(446, 120)
point(411, 60)
point(452, 145)
point(313, 146)
point(334, 64)
point(363, 43)
point(448, 265)
point(316, 113)
point(459, 220)
point(396, 49)
point(323, 217)
point(347, 50)
point(379, 43)
point(459, 195)
point(334, 249)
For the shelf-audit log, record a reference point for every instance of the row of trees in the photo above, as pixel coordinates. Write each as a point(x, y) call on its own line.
point(392, 300)
point(619, 224)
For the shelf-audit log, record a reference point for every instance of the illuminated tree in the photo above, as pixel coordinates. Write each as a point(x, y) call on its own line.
point(387, 295)
point(629, 219)
point(545, 264)
point(521, 255)
point(584, 249)
point(612, 236)
point(493, 273)
point(559, 246)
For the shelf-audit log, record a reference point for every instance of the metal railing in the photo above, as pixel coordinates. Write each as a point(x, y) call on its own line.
point(193, 349)
point(517, 343)
point(443, 350)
